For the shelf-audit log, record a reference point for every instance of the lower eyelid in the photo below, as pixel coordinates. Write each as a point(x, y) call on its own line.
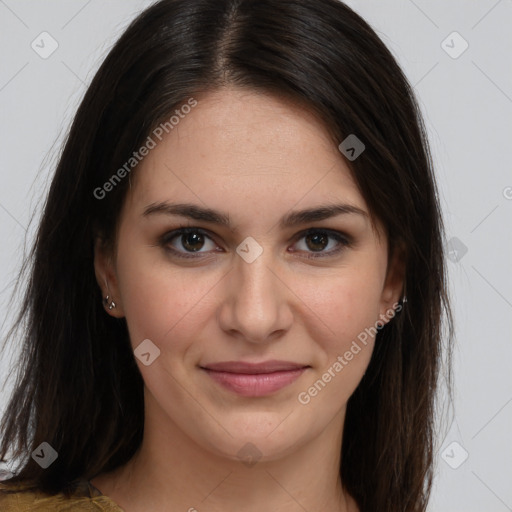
point(342, 243)
point(175, 235)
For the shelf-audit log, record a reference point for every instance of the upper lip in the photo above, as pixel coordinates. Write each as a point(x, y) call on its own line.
point(253, 368)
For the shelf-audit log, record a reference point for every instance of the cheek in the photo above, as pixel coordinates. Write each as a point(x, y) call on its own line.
point(343, 328)
point(344, 304)
point(158, 301)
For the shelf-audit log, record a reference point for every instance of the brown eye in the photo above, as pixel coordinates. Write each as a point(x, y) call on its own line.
point(317, 241)
point(192, 241)
point(186, 241)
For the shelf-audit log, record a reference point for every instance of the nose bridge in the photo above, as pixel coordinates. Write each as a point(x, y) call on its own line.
point(257, 305)
point(255, 280)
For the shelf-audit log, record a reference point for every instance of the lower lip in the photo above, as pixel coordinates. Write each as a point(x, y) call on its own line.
point(258, 384)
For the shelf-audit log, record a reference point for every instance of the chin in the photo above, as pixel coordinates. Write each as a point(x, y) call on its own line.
point(259, 436)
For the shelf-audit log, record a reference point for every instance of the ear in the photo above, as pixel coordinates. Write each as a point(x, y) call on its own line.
point(106, 277)
point(393, 289)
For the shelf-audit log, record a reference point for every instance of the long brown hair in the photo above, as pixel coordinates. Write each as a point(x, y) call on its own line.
point(78, 387)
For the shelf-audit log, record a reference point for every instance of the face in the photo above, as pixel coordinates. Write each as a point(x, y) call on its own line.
point(260, 321)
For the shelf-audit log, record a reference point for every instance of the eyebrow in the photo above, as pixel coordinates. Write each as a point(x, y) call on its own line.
point(292, 219)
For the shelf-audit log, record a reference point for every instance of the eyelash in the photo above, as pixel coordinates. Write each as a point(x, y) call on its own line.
point(343, 241)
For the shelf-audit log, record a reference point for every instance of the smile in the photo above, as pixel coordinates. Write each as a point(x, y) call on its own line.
point(253, 380)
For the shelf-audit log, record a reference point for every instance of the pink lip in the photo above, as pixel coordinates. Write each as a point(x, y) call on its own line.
point(254, 379)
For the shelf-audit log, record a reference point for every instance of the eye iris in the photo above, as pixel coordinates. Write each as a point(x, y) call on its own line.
point(320, 240)
point(192, 241)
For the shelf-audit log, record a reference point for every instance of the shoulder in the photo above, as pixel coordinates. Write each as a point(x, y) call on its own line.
point(17, 498)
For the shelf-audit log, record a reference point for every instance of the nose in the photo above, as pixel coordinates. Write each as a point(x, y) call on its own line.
point(257, 304)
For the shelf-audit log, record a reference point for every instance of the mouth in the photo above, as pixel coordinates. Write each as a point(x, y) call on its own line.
point(254, 379)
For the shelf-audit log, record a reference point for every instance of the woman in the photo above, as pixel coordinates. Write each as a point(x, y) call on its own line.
point(216, 316)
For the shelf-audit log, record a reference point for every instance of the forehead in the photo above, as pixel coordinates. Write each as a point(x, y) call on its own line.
point(245, 147)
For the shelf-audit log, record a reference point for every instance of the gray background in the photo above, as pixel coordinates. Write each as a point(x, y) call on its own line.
point(467, 103)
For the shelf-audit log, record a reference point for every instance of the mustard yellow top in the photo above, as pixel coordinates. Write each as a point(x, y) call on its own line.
point(85, 498)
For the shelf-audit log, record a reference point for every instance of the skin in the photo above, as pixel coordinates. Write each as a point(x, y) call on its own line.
point(256, 158)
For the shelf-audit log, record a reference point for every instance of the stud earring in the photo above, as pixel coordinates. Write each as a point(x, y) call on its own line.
point(109, 303)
